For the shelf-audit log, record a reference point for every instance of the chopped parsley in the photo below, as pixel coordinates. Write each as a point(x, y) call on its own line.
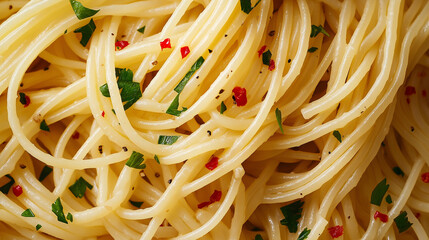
point(266, 57)
point(246, 5)
point(79, 187)
point(156, 158)
point(130, 90)
point(312, 49)
point(258, 237)
point(45, 172)
point(402, 222)
point(57, 208)
point(24, 99)
point(315, 30)
point(70, 217)
point(304, 234)
point(5, 188)
point(379, 192)
point(173, 109)
point(44, 126)
point(279, 119)
point(292, 213)
point(135, 161)
point(398, 171)
point(337, 135)
point(81, 11)
point(38, 226)
point(222, 107)
point(136, 204)
point(179, 88)
point(167, 140)
point(86, 31)
point(389, 199)
point(27, 213)
point(141, 30)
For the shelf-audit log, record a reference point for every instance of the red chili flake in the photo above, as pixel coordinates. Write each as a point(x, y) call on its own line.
point(165, 44)
point(119, 45)
point(216, 196)
point(424, 93)
point(410, 90)
point(184, 51)
point(203, 204)
point(213, 163)
point(75, 135)
point(27, 101)
point(272, 65)
point(417, 215)
point(103, 113)
point(17, 190)
point(425, 177)
point(383, 217)
point(240, 96)
point(408, 100)
point(262, 50)
point(336, 231)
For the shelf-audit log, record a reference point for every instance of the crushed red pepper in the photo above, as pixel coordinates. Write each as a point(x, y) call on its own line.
point(215, 197)
point(425, 177)
point(383, 217)
point(184, 51)
point(17, 190)
point(75, 135)
point(272, 65)
point(262, 50)
point(336, 231)
point(240, 96)
point(119, 45)
point(410, 90)
point(165, 43)
point(213, 163)
point(103, 113)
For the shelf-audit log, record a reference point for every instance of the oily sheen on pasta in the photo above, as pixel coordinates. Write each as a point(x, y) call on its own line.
point(214, 119)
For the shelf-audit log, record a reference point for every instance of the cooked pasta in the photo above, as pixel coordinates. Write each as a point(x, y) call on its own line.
point(220, 119)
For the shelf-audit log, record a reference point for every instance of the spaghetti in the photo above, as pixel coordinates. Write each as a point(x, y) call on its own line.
point(214, 119)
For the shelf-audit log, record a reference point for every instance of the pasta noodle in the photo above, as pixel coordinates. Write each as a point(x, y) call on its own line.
point(199, 119)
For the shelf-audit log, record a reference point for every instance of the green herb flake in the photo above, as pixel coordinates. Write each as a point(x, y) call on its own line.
point(258, 237)
point(379, 192)
point(141, 30)
point(246, 5)
point(266, 57)
point(304, 234)
point(79, 187)
point(337, 135)
point(5, 188)
point(38, 226)
point(222, 107)
point(44, 126)
point(136, 204)
point(292, 213)
point(167, 140)
point(135, 161)
point(45, 172)
point(27, 213)
point(130, 90)
point(57, 208)
point(81, 11)
point(315, 30)
point(402, 222)
point(398, 171)
point(179, 88)
point(22, 98)
point(70, 217)
point(312, 49)
point(156, 159)
point(86, 31)
point(279, 119)
point(173, 109)
point(389, 199)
